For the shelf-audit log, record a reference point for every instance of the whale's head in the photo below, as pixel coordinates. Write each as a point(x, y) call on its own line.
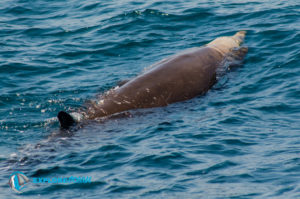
point(227, 44)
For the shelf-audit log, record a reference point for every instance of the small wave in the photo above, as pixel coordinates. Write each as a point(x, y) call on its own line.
point(211, 169)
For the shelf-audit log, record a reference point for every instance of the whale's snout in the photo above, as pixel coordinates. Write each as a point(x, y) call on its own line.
point(240, 36)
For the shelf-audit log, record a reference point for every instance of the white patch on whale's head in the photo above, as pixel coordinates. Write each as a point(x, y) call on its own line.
point(226, 44)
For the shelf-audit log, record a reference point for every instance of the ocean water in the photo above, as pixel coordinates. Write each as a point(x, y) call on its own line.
point(240, 140)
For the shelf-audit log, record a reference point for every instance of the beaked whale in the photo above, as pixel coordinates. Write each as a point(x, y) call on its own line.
point(177, 78)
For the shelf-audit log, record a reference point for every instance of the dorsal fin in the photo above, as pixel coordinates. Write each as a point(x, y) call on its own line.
point(65, 120)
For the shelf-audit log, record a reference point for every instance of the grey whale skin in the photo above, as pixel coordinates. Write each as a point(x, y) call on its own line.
point(177, 78)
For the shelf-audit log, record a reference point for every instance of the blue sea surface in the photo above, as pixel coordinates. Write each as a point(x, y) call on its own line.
point(239, 140)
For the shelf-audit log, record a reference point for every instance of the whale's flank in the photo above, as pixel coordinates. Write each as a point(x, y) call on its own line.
point(177, 78)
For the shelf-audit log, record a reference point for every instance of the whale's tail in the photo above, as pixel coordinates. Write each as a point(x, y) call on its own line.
point(65, 120)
